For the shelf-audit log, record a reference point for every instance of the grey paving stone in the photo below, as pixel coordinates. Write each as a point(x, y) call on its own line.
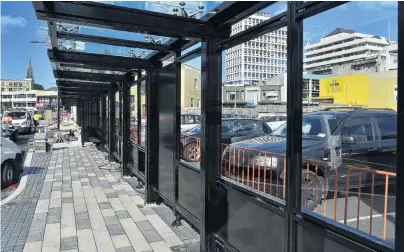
point(111, 195)
point(151, 235)
point(133, 193)
point(111, 220)
point(87, 183)
point(115, 229)
point(144, 225)
point(122, 214)
point(104, 205)
point(68, 243)
point(126, 249)
point(35, 236)
point(67, 200)
point(83, 224)
point(147, 211)
point(120, 192)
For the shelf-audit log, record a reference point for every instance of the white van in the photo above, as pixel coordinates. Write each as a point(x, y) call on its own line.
point(11, 162)
point(22, 120)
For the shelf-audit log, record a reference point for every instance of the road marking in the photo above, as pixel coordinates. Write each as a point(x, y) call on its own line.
point(367, 217)
point(23, 181)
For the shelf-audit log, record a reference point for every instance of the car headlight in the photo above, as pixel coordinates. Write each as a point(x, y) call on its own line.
point(268, 162)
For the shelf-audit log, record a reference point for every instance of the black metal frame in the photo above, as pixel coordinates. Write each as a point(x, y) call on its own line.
point(214, 32)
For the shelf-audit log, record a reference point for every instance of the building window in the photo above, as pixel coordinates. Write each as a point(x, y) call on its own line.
point(192, 102)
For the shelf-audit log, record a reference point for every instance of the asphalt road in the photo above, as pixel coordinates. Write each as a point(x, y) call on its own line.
point(23, 140)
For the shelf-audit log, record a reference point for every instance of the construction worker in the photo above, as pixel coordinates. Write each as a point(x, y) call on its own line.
point(7, 120)
point(37, 117)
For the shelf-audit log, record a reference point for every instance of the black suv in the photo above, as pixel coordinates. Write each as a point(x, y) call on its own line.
point(333, 142)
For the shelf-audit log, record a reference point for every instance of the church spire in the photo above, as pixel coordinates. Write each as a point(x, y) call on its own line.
point(30, 74)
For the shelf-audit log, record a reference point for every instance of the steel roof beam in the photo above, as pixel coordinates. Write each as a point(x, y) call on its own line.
point(98, 60)
point(234, 11)
point(103, 68)
point(129, 19)
point(112, 41)
point(76, 84)
point(311, 8)
point(89, 76)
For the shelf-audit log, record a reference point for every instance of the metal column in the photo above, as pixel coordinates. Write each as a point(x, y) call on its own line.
point(111, 122)
point(58, 110)
point(399, 243)
point(294, 110)
point(152, 137)
point(139, 109)
point(83, 123)
point(102, 120)
point(210, 143)
point(125, 128)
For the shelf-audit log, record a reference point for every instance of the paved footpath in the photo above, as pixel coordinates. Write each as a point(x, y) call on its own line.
point(73, 202)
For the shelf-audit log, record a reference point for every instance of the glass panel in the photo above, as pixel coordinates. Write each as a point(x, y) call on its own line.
point(190, 111)
point(72, 45)
point(133, 114)
point(143, 114)
point(253, 99)
point(261, 16)
point(191, 9)
point(349, 144)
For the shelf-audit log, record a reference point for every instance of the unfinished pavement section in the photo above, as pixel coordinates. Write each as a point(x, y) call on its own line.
point(76, 206)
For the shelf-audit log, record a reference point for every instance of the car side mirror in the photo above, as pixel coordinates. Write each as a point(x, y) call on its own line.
point(348, 140)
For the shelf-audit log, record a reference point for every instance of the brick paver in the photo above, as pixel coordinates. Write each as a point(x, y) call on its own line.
point(72, 204)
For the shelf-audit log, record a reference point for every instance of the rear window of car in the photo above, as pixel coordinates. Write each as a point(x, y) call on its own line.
point(387, 127)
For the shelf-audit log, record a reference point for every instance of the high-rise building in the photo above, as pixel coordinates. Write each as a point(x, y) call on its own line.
point(344, 52)
point(259, 59)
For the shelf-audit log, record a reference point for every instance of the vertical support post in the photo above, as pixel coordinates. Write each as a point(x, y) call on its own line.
point(83, 120)
point(152, 137)
point(102, 120)
point(210, 142)
point(125, 126)
point(111, 122)
point(58, 109)
point(294, 110)
point(177, 127)
point(139, 108)
point(399, 243)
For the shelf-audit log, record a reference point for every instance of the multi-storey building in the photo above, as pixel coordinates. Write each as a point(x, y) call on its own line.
point(344, 51)
point(256, 60)
point(19, 85)
point(272, 91)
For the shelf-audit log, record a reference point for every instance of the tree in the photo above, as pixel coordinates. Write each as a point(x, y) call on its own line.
point(37, 87)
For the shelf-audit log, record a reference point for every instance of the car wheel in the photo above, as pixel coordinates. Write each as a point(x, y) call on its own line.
point(7, 174)
point(312, 190)
point(191, 152)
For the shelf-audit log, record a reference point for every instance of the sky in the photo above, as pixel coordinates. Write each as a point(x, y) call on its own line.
point(19, 26)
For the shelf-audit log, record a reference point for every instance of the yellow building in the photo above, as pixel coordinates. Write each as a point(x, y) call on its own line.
point(190, 86)
point(372, 90)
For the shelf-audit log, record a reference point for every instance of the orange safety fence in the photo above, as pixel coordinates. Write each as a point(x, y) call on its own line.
point(266, 172)
point(265, 176)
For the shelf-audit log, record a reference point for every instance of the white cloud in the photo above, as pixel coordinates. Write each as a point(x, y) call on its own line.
point(13, 21)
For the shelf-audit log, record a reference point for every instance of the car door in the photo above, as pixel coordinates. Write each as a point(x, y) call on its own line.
point(386, 157)
point(360, 152)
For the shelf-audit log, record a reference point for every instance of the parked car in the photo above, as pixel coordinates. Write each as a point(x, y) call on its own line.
point(189, 121)
point(332, 141)
point(233, 130)
point(274, 122)
point(11, 162)
point(22, 120)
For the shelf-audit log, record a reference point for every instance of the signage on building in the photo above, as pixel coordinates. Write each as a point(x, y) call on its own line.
point(323, 100)
point(335, 87)
point(39, 105)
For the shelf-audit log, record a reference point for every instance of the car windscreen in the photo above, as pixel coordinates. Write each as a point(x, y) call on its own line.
point(311, 128)
point(17, 115)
